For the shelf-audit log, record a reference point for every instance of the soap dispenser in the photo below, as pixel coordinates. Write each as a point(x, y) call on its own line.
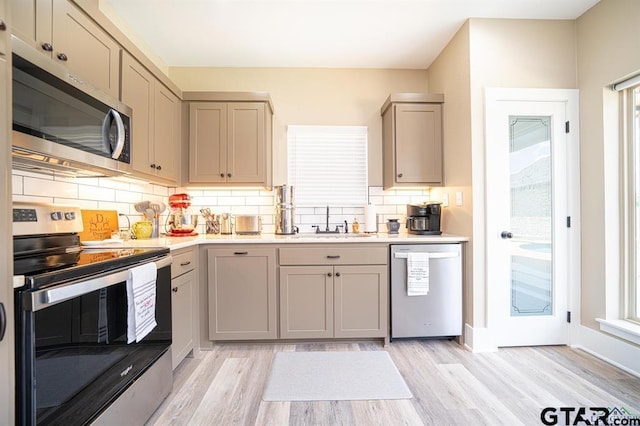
point(355, 226)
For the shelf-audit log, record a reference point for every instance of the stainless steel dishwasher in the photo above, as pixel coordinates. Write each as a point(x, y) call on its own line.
point(439, 312)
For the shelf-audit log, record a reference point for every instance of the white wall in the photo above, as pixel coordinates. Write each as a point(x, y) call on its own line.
point(120, 194)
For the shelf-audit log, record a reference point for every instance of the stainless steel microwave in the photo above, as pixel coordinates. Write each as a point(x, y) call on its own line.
point(63, 124)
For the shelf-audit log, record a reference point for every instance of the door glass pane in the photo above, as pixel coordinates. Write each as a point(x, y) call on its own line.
point(531, 207)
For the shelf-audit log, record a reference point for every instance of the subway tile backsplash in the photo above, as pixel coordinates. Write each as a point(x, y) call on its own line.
point(121, 193)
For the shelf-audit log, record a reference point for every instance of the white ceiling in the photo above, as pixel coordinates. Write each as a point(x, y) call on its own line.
point(316, 33)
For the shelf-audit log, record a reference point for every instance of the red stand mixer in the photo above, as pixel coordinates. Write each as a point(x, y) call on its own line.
point(179, 222)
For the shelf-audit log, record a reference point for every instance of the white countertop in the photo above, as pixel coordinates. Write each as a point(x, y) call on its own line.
point(175, 243)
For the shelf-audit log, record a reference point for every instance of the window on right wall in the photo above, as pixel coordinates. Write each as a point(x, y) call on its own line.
point(631, 103)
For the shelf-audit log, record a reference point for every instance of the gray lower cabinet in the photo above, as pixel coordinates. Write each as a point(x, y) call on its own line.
point(242, 293)
point(183, 315)
point(360, 295)
point(333, 292)
point(306, 302)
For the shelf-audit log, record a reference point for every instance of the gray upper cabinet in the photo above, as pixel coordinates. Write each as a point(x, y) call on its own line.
point(230, 142)
point(156, 123)
point(412, 140)
point(61, 31)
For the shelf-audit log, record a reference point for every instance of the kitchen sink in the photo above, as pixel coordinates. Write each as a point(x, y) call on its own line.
point(320, 235)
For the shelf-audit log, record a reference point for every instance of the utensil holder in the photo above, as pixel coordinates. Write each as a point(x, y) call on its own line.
point(155, 228)
point(212, 227)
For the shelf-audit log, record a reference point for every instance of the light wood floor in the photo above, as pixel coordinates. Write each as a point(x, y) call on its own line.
point(451, 386)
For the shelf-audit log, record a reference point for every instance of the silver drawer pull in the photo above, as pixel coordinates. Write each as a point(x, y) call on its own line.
point(333, 256)
point(185, 263)
point(434, 255)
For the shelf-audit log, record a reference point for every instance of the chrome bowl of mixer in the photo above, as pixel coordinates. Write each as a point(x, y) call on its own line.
point(182, 223)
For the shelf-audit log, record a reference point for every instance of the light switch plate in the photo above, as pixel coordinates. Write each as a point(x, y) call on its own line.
point(459, 198)
point(445, 199)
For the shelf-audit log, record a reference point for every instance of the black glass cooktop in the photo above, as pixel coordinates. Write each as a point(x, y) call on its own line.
point(57, 268)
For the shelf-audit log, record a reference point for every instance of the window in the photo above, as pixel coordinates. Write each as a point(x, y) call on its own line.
point(328, 165)
point(632, 105)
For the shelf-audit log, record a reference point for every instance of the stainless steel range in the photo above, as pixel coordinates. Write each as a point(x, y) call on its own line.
point(78, 358)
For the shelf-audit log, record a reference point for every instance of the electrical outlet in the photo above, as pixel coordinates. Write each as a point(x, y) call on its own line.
point(445, 199)
point(459, 198)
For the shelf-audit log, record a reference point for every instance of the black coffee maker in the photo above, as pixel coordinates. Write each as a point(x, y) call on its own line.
point(424, 219)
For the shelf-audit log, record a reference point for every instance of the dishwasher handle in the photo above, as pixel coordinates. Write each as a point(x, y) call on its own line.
point(432, 255)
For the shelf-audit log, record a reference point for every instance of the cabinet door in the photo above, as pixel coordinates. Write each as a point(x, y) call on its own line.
point(418, 143)
point(85, 48)
point(306, 302)
point(242, 293)
point(138, 93)
point(31, 22)
point(207, 142)
point(361, 301)
point(246, 142)
point(166, 146)
point(182, 316)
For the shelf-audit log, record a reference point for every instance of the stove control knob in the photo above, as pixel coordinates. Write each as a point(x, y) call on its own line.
point(69, 215)
point(56, 215)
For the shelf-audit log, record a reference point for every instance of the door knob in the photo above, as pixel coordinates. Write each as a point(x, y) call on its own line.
point(506, 235)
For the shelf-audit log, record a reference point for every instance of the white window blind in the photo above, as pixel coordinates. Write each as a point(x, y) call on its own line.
point(328, 165)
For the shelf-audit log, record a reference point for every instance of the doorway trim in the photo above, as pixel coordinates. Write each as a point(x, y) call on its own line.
point(570, 96)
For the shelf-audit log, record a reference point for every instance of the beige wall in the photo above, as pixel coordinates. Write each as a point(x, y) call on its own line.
point(496, 53)
point(450, 74)
point(113, 16)
point(608, 50)
point(313, 96)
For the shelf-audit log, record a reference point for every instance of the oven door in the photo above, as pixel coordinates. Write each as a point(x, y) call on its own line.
point(72, 355)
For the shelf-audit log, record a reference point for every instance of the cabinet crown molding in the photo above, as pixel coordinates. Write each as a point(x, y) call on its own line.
point(214, 96)
point(413, 98)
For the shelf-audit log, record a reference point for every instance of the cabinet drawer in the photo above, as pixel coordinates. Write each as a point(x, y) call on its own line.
point(334, 255)
point(182, 262)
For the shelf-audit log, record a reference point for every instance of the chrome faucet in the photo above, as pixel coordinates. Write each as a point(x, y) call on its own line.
point(327, 228)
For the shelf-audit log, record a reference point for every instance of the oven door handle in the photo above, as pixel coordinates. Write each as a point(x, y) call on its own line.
point(44, 298)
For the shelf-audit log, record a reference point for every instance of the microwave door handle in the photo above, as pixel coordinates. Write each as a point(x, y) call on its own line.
point(112, 116)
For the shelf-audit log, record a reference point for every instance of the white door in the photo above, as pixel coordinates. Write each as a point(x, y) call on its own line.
point(527, 210)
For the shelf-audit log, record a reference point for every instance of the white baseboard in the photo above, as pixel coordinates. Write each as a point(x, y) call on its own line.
point(610, 349)
point(478, 339)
